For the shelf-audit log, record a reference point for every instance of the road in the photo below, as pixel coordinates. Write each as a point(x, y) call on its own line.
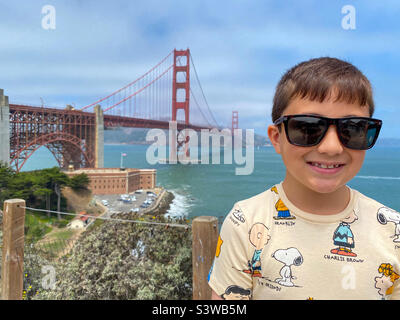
point(117, 206)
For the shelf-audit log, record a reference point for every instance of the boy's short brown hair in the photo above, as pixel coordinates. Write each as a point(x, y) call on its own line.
point(317, 79)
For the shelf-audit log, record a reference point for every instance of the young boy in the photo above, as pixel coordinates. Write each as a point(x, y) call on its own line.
point(315, 238)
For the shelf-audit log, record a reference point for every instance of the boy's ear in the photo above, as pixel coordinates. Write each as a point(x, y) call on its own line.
point(273, 134)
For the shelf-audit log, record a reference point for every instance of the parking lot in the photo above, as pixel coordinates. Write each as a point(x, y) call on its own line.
point(131, 201)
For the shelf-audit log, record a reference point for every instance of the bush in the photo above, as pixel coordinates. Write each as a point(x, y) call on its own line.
point(34, 228)
point(121, 261)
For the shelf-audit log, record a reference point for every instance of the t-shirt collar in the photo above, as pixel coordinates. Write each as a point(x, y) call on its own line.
point(330, 218)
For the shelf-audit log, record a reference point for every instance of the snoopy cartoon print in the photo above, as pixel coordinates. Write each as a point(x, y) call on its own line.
point(385, 215)
point(289, 257)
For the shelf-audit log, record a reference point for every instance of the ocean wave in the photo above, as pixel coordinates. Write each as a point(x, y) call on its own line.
point(180, 206)
point(378, 177)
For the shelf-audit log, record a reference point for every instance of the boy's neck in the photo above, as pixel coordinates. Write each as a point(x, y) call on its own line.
point(314, 202)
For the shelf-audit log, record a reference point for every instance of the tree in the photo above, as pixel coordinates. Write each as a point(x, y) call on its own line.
point(37, 187)
point(80, 181)
point(55, 180)
point(6, 174)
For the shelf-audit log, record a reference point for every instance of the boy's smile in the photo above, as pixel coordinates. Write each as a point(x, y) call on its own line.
point(326, 167)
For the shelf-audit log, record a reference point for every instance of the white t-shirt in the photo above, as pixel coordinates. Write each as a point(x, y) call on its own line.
point(269, 249)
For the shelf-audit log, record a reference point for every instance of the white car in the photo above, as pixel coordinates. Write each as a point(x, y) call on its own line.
point(104, 202)
point(135, 210)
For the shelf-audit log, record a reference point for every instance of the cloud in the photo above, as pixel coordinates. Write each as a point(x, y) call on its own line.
point(240, 49)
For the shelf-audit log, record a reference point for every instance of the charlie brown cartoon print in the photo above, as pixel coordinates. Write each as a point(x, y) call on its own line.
point(289, 257)
point(259, 237)
point(343, 237)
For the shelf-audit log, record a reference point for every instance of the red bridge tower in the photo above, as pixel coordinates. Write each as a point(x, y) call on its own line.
point(177, 101)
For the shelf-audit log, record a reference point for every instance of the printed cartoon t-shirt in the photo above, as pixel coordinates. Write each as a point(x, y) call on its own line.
point(269, 249)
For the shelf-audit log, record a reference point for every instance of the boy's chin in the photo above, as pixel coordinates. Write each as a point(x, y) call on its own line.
point(325, 187)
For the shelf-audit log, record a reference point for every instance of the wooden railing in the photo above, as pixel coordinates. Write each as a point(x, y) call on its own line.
point(204, 241)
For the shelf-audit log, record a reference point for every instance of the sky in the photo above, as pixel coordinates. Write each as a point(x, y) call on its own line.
point(240, 49)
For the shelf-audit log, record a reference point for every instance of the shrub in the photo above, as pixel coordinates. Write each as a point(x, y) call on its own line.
point(118, 260)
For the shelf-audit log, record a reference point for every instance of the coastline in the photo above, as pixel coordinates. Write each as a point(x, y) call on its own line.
point(162, 205)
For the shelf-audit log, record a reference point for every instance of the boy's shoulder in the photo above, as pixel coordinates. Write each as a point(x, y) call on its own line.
point(368, 201)
point(258, 204)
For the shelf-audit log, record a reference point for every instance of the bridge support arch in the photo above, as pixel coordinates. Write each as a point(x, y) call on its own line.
point(69, 134)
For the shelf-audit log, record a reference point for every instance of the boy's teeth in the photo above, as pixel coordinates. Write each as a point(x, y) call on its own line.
point(323, 166)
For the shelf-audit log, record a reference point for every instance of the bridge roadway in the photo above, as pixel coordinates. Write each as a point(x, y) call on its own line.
point(110, 121)
point(72, 136)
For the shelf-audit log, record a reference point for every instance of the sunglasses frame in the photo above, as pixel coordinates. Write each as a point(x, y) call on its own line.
point(331, 121)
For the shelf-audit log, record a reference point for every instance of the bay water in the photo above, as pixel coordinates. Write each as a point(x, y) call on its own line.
point(212, 189)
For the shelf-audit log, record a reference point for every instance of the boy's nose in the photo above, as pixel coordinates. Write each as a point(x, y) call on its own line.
point(330, 144)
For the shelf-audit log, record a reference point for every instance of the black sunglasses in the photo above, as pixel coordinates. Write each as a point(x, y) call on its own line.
point(359, 133)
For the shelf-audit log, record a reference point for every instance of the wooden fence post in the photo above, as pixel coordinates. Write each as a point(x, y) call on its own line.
point(12, 270)
point(205, 237)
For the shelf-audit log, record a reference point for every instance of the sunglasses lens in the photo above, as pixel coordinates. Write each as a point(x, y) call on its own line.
point(305, 130)
point(359, 134)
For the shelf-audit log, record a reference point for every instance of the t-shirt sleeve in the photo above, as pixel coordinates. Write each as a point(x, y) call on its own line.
point(395, 279)
point(229, 276)
point(396, 291)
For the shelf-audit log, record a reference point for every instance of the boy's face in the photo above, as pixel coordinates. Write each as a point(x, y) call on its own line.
point(303, 164)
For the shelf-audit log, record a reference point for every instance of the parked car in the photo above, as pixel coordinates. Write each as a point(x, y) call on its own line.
point(135, 210)
point(148, 201)
point(104, 202)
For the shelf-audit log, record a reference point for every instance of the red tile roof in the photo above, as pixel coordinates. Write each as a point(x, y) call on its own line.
point(83, 216)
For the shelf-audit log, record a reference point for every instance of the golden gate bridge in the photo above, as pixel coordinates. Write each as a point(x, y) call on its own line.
point(75, 136)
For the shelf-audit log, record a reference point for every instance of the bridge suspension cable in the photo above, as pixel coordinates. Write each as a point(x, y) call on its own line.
point(150, 96)
point(215, 123)
point(129, 84)
point(140, 90)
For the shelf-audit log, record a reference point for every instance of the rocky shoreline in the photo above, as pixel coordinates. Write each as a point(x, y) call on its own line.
point(163, 205)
